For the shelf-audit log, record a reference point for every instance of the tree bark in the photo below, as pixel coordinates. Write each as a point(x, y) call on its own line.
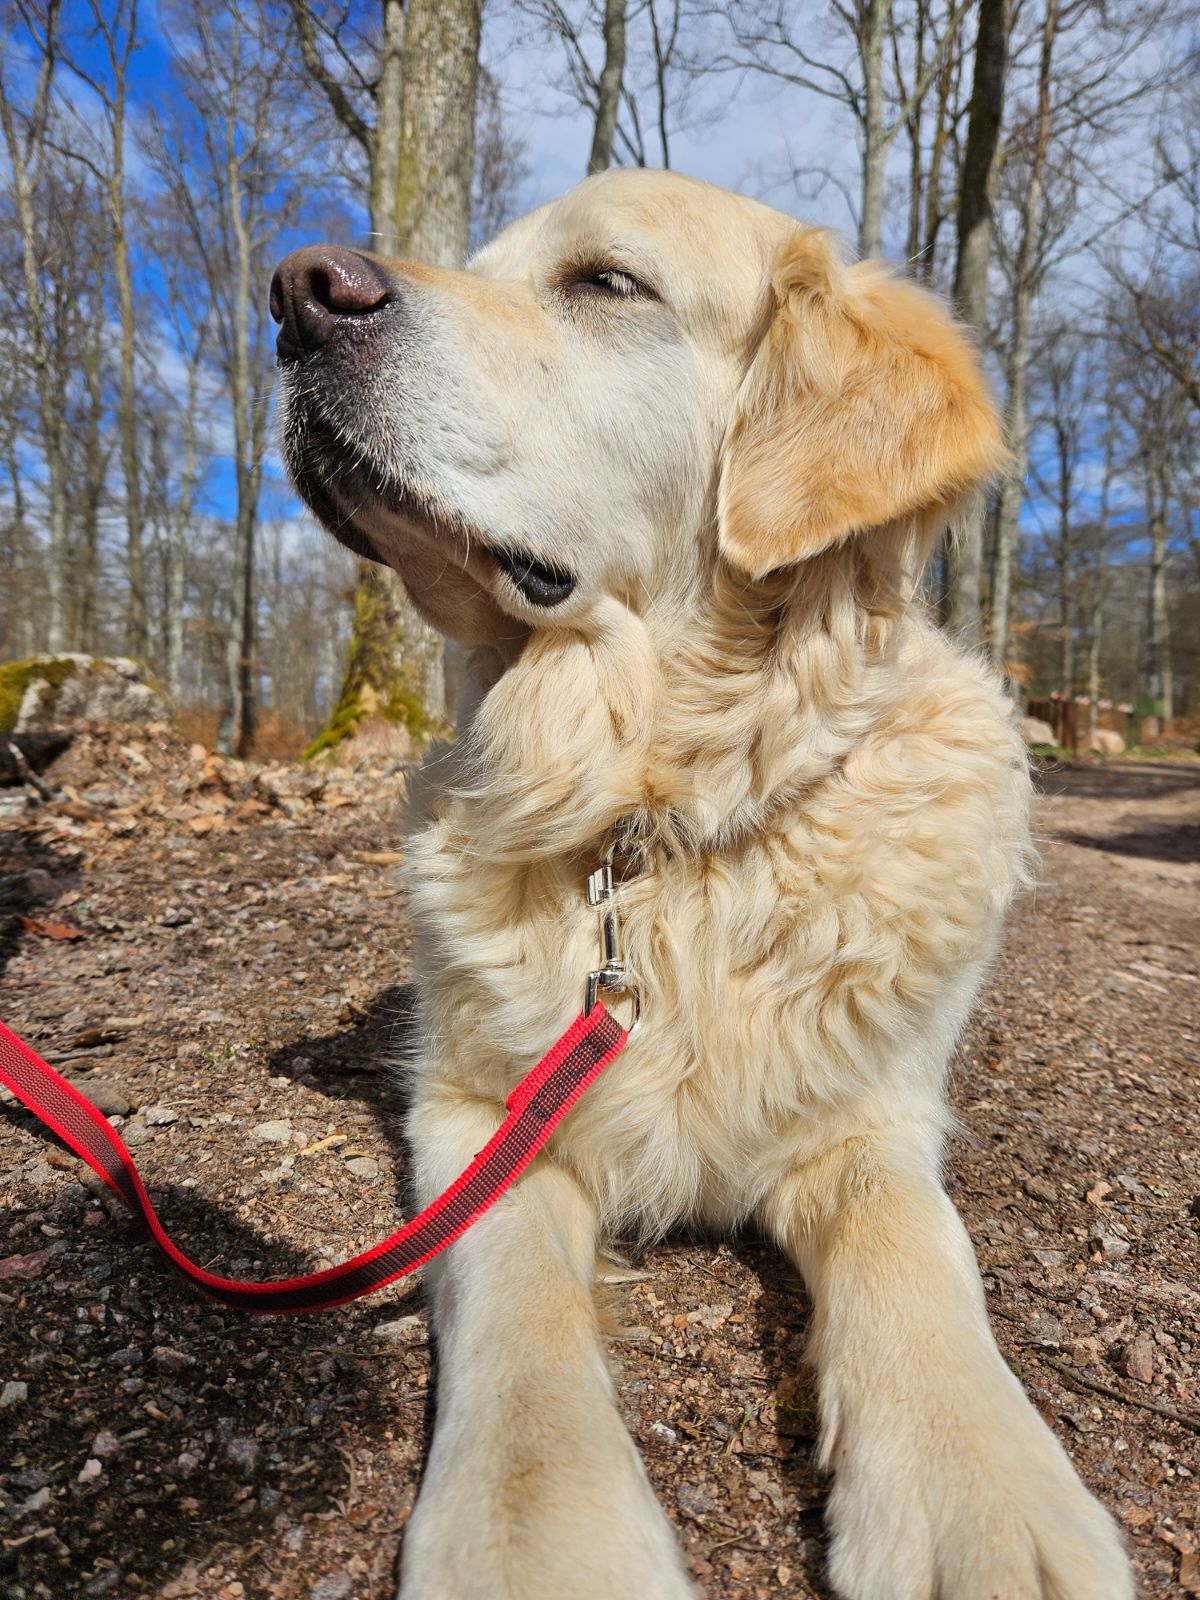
point(1017, 363)
point(875, 141)
point(1158, 644)
point(25, 157)
point(612, 76)
point(964, 557)
point(385, 164)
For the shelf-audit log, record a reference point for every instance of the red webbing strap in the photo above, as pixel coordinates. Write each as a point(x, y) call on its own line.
point(535, 1107)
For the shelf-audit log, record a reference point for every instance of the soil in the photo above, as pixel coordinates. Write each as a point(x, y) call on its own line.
point(221, 952)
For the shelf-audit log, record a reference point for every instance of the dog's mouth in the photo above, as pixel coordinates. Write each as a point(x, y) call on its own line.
point(537, 581)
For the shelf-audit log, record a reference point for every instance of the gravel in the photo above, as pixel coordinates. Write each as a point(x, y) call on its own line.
point(277, 1459)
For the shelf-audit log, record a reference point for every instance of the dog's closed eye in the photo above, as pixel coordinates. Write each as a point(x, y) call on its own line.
point(601, 282)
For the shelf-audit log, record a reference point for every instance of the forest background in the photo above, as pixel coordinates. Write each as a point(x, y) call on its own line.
point(1036, 161)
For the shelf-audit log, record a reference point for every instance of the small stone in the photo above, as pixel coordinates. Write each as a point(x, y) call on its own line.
point(1047, 1332)
point(364, 1167)
point(175, 917)
point(13, 1394)
point(38, 1500)
point(1130, 1185)
point(1096, 1194)
point(159, 1117)
point(278, 1132)
point(1041, 1189)
point(1189, 1572)
point(1109, 1244)
point(108, 1095)
point(338, 1586)
point(90, 1471)
point(401, 1330)
point(169, 1360)
point(1049, 1258)
point(105, 1444)
point(664, 1432)
point(244, 1454)
point(129, 1356)
point(1139, 1359)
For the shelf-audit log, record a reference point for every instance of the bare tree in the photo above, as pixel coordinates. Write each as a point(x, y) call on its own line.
point(609, 86)
point(774, 38)
point(230, 160)
point(977, 192)
point(25, 139)
point(115, 24)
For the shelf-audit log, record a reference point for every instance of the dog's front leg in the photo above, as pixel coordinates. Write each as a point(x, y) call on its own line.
point(533, 1490)
point(947, 1484)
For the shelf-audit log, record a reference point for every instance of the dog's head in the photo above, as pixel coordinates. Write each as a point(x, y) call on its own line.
point(625, 389)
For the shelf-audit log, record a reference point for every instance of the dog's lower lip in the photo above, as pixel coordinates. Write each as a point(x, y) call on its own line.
point(539, 582)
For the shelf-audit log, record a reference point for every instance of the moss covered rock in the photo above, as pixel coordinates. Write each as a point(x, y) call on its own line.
point(59, 691)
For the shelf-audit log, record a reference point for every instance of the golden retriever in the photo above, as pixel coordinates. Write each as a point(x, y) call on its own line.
point(672, 467)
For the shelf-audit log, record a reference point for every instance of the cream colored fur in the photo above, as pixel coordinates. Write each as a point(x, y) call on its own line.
point(830, 801)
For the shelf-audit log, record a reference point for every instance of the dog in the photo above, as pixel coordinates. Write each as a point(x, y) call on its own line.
point(671, 467)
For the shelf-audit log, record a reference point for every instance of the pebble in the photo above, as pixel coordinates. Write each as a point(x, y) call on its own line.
point(105, 1444)
point(1110, 1245)
point(400, 1329)
point(1047, 1332)
point(108, 1095)
point(363, 1167)
point(159, 1117)
point(89, 1471)
point(128, 1356)
point(338, 1586)
point(244, 1454)
point(664, 1432)
point(1139, 1359)
point(1041, 1189)
point(38, 1500)
point(13, 1394)
point(277, 1132)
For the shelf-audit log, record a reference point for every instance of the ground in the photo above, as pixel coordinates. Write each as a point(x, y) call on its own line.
point(234, 997)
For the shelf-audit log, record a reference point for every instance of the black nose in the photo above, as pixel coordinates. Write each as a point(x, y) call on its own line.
point(315, 288)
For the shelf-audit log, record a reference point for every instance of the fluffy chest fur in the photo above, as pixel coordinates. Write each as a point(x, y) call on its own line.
point(821, 891)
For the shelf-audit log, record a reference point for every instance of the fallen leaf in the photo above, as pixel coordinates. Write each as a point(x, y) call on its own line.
point(208, 823)
point(1097, 1194)
point(1189, 1573)
point(50, 930)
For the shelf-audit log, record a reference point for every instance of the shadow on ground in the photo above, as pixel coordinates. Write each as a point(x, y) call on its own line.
point(160, 1428)
point(1099, 780)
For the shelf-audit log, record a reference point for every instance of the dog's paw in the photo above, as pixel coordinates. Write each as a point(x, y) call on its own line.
point(975, 1504)
point(529, 1535)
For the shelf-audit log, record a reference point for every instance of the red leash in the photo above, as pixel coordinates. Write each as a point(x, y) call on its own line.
point(535, 1107)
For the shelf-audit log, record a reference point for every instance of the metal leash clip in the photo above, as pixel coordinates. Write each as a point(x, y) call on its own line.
point(611, 975)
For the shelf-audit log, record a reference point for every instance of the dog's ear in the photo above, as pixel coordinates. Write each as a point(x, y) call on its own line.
point(864, 404)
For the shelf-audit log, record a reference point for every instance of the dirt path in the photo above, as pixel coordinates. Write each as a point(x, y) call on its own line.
point(236, 991)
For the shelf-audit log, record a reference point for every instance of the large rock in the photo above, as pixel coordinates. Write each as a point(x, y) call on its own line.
point(1037, 732)
point(62, 691)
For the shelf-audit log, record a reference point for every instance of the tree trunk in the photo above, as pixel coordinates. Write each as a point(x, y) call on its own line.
point(236, 732)
point(23, 163)
point(964, 560)
point(612, 77)
point(385, 162)
point(1158, 644)
point(136, 635)
point(874, 139)
point(180, 527)
point(1017, 363)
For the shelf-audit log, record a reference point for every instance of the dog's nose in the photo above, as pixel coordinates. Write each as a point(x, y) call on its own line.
point(315, 288)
